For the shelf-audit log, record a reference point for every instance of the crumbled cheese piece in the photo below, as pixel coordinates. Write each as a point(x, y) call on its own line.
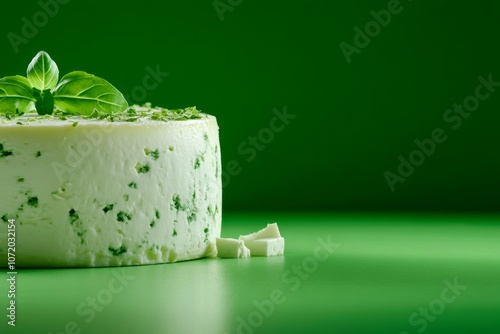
point(266, 242)
point(229, 247)
point(270, 231)
point(266, 246)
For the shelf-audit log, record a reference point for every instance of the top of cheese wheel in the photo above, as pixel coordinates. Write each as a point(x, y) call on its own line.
point(134, 114)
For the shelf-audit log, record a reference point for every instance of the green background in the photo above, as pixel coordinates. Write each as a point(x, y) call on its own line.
point(352, 121)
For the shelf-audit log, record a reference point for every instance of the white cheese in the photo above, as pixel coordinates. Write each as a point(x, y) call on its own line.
point(110, 193)
point(266, 246)
point(229, 247)
point(266, 242)
point(270, 231)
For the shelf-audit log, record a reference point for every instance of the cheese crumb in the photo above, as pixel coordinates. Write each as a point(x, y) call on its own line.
point(270, 231)
point(229, 247)
point(266, 246)
point(266, 242)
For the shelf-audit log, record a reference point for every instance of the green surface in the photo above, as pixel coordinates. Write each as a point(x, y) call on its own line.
point(352, 121)
point(382, 270)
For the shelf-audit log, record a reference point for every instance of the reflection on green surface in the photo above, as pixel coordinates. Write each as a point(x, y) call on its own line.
point(340, 274)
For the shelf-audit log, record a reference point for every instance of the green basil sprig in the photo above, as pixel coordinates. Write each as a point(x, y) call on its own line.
point(16, 93)
point(78, 93)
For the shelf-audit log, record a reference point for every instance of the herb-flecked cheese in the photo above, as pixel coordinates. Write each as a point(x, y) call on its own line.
point(94, 192)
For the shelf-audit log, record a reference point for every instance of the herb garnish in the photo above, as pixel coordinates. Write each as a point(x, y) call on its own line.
point(77, 93)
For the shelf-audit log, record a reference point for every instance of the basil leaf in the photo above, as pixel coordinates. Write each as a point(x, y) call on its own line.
point(81, 93)
point(43, 72)
point(44, 101)
point(16, 95)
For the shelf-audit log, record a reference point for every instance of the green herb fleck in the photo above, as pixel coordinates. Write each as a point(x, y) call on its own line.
point(152, 224)
point(21, 179)
point(132, 185)
point(108, 207)
point(153, 154)
point(157, 214)
point(176, 203)
point(5, 219)
point(33, 201)
point(80, 234)
point(206, 234)
point(160, 114)
point(74, 124)
point(191, 217)
point(11, 115)
point(174, 233)
point(117, 251)
point(205, 136)
point(74, 220)
point(73, 216)
point(142, 169)
point(38, 154)
point(197, 163)
point(4, 153)
point(123, 217)
point(126, 197)
point(190, 209)
point(132, 114)
point(60, 115)
point(211, 212)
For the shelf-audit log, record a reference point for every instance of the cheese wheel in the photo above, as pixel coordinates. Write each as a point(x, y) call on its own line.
point(109, 192)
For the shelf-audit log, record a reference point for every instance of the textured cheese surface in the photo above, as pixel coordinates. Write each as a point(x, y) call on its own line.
point(266, 246)
point(110, 193)
point(270, 231)
point(229, 247)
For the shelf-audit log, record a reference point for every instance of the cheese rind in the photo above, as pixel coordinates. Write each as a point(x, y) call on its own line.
point(101, 193)
point(266, 246)
point(232, 248)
